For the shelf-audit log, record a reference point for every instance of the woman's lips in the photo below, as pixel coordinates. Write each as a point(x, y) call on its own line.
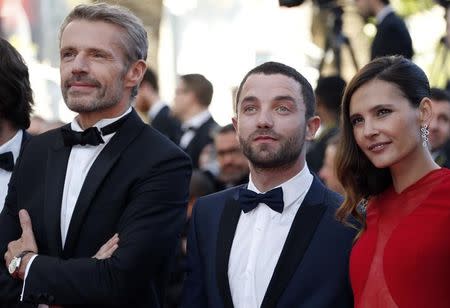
point(379, 146)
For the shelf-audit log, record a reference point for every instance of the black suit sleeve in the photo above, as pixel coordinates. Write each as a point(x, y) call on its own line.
point(148, 228)
point(194, 293)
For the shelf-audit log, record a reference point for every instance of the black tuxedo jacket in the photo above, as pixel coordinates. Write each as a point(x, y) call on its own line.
point(392, 38)
point(25, 138)
point(312, 271)
point(167, 125)
point(201, 139)
point(137, 187)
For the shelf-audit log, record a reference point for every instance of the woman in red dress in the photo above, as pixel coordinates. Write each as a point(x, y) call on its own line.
point(401, 257)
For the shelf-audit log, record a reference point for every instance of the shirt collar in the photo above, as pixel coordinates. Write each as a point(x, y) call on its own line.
point(383, 13)
point(197, 120)
point(292, 188)
point(13, 145)
point(155, 109)
point(102, 123)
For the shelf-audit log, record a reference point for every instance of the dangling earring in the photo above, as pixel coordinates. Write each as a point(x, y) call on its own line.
point(424, 134)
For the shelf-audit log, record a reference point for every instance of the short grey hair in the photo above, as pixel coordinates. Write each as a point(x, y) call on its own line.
point(135, 44)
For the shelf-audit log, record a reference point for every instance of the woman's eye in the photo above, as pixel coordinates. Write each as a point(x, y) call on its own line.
point(384, 111)
point(356, 121)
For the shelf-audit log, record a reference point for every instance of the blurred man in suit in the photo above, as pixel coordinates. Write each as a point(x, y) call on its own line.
point(153, 110)
point(16, 100)
point(329, 91)
point(392, 36)
point(77, 186)
point(439, 136)
point(269, 243)
point(193, 96)
point(233, 165)
point(328, 171)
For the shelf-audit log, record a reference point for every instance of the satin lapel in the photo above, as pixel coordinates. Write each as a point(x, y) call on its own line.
point(300, 235)
point(99, 170)
point(227, 229)
point(57, 159)
point(25, 137)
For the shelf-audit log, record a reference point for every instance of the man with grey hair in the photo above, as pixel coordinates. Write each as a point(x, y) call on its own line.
point(78, 186)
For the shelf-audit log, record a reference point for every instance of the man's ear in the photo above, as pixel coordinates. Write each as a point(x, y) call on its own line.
point(235, 125)
point(312, 125)
point(135, 74)
point(425, 111)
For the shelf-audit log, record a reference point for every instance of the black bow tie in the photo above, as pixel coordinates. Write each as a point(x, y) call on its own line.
point(91, 135)
point(250, 200)
point(7, 161)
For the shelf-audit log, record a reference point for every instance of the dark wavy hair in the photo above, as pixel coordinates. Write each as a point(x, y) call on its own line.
point(16, 96)
point(358, 176)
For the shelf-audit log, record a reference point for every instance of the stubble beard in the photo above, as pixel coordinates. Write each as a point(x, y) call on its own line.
point(264, 157)
point(101, 102)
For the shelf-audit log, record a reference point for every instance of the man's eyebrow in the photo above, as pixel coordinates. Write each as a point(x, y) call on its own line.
point(284, 98)
point(249, 98)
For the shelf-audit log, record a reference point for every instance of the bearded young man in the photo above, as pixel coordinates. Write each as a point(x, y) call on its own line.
point(273, 242)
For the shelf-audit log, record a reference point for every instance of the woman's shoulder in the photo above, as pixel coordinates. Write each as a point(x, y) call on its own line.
point(441, 187)
point(442, 177)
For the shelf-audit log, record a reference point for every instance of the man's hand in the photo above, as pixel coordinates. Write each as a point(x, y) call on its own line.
point(108, 248)
point(25, 242)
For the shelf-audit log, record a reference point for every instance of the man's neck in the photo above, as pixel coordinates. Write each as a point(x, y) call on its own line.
point(267, 179)
point(192, 113)
point(328, 120)
point(378, 7)
point(88, 119)
point(7, 131)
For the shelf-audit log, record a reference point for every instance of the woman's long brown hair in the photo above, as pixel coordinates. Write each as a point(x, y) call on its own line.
point(360, 179)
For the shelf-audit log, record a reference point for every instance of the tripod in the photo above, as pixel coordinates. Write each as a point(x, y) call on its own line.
point(335, 39)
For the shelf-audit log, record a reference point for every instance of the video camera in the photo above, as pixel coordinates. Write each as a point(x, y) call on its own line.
point(334, 36)
point(319, 3)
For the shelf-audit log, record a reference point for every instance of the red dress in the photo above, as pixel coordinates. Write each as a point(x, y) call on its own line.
point(403, 258)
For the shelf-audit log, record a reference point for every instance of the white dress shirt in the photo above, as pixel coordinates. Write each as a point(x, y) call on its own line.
point(194, 122)
point(80, 161)
point(259, 239)
point(12, 145)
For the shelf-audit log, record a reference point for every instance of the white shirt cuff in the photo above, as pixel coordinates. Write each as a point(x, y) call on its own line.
point(26, 274)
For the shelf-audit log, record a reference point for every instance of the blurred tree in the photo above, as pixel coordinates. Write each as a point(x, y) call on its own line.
point(411, 7)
